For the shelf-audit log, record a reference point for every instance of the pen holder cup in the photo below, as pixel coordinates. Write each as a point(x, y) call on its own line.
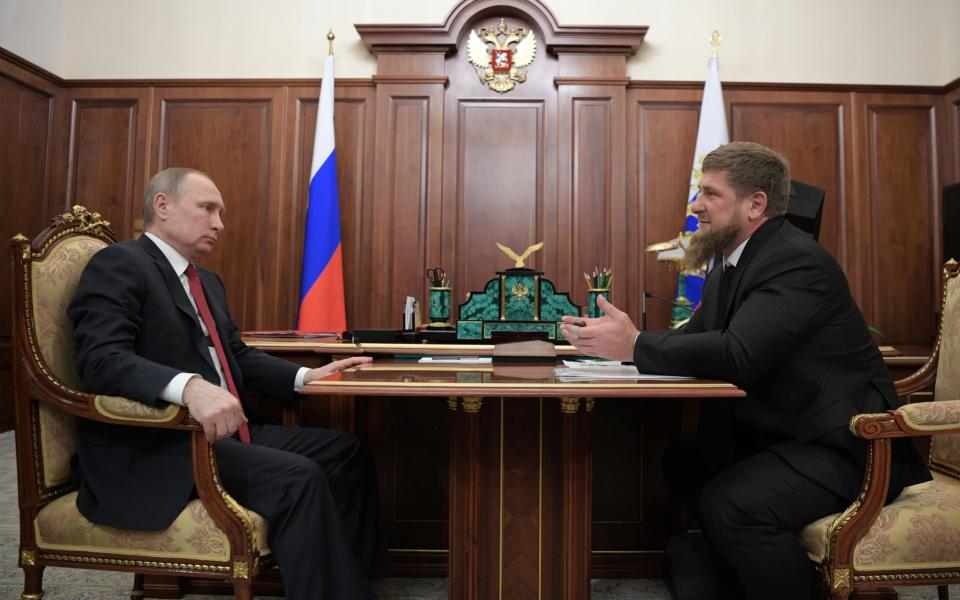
point(440, 300)
point(592, 294)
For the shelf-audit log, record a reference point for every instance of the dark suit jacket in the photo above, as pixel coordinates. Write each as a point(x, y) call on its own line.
point(793, 338)
point(135, 329)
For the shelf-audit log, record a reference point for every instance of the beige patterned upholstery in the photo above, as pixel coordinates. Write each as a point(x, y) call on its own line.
point(915, 540)
point(192, 536)
point(945, 449)
point(920, 530)
point(54, 280)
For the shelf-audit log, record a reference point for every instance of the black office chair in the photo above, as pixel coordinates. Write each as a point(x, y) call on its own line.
point(805, 207)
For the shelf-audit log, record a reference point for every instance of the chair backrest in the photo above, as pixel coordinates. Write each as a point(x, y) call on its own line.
point(46, 274)
point(945, 449)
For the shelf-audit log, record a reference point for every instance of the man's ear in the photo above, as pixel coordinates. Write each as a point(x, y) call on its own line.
point(161, 202)
point(758, 205)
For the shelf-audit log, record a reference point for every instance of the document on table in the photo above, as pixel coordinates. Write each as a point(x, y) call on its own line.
point(607, 369)
point(456, 360)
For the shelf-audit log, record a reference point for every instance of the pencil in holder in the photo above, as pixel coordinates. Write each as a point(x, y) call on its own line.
point(593, 311)
point(440, 301)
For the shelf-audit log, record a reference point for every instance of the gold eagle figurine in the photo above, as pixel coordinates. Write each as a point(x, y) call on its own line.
point(518, 259)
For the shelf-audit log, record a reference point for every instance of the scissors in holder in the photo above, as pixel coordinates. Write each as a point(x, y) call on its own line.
point(436, 276)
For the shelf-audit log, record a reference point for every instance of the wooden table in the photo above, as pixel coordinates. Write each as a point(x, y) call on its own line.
point(519, 466)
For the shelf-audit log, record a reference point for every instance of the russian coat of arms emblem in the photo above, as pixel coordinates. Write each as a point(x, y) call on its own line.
point(502, 66)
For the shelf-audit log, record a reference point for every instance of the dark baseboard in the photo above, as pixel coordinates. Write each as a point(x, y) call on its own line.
point(414, 563)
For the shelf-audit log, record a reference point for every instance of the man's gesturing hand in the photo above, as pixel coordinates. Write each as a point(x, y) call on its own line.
point(611, 336)
point(213, 407)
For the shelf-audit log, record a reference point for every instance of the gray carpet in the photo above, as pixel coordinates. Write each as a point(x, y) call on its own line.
point(82, 584)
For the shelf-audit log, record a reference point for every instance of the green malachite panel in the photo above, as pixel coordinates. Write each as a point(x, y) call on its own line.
point(554, 305)
point(439, 305)
point(593, 311)
point(479, 316)
point(482, 306)
point(469, 330)
point(490, 327)
point(519, 292)
point(469, 377)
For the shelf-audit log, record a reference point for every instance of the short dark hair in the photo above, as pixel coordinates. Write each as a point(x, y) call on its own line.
point(168, 181)
point(750, 168)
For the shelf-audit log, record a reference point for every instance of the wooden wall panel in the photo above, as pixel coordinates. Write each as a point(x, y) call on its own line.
point(662, 138)
point(404, 230)
point(105, 164)
point(591, 204)
point(409, 439)
point(902, 178)
point(230, 134)
point(590, 244)
point(632, 509)
point(811, 138)
point(26, 111)
point(499, 197)
point(952, 135)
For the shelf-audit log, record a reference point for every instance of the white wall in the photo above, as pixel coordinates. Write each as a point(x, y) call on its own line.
point(898, 42)
point(951, 37)
point(36, 31)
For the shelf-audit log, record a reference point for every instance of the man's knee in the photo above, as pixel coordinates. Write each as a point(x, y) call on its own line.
point(302, 473)
point(725, 510)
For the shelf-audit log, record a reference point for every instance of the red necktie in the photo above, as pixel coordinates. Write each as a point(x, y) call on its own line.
point(193, 277)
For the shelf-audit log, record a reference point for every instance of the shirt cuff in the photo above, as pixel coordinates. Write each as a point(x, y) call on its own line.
point(298, 381)
point(173, 393)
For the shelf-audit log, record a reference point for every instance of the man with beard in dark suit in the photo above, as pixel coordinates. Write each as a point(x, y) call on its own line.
point(154, 327)
point(777, 319)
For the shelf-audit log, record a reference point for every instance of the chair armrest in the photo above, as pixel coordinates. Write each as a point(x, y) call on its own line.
point(910, 420)
point(111, 409)
point(123, 409)
point(929, 418)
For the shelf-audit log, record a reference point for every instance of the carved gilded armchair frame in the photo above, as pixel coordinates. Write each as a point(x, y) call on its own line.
point(38, 388)
point(941, 417)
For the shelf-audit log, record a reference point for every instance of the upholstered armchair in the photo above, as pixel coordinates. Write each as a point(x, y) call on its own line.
point(213, 537)
point(915, 540)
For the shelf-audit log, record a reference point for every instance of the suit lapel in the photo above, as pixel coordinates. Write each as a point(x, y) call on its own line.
point(757, 241)
point(177, 293)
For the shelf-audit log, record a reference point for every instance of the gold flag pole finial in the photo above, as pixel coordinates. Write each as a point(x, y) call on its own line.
point(715, 41)
point(330, 37)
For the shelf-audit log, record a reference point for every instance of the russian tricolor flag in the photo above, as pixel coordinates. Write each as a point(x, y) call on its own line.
point(321, 285)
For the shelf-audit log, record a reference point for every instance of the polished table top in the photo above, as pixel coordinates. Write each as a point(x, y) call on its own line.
point(893, 356)
point(398, 377)
point(334, 346)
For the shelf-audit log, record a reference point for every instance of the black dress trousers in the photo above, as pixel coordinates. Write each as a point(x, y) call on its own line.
point(317, 490)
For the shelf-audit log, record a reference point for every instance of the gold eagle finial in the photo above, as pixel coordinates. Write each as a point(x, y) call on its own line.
point(519, 258)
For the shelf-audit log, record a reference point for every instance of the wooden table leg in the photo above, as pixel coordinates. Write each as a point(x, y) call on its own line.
point(575, 498)
point(465, 479)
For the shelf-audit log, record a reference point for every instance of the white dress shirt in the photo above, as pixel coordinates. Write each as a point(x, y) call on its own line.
point(173, 392)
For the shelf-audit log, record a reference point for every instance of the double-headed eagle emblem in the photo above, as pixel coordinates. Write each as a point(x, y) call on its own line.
point(501, 67)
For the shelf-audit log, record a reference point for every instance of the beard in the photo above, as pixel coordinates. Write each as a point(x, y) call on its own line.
point(704, 245)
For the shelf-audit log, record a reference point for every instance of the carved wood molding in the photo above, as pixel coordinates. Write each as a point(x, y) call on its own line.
point(617, 81)
point(405, 79)
point(557, 38)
